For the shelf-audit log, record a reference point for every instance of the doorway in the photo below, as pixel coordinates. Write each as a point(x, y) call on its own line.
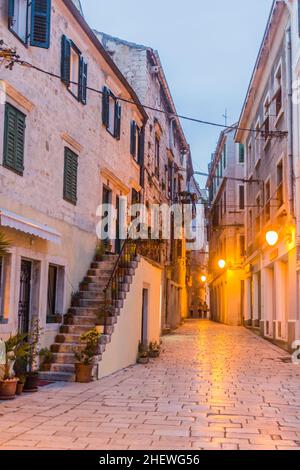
point(145, 312)
point(25, 297)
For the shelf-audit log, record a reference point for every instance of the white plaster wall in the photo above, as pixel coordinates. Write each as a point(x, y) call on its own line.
point(122, 351)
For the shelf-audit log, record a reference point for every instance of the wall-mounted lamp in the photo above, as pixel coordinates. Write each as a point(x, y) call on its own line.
point(272, 237)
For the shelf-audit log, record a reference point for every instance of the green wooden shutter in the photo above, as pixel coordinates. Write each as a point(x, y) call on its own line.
point(40, 23)
point(83, 81)
point(241, 153)
point(141, 146)
point(65, 60)
point(105, 106)
point(133, 131)
point(118, 114)
point(11, 12)
point(14, 139)
point(70, 176)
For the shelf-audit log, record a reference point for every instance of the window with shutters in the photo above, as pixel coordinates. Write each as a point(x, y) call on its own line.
point(111, 113)
point(30, 21)
point(241, 153)
point(280, 198)
point(70, 176)
point(242, 197)
point(14, 139)
point(136, 142)
point(157, 156)
point(73, 69)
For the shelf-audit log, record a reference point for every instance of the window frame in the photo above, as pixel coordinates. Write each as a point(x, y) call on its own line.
point(2, 261)
point(68, 199)
point(157, 155)
point(278, 87)
point(257, 156)
point(5, 164)
point(242, 204)
point(79, 55)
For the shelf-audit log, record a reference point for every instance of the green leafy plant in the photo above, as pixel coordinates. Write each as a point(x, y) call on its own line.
point(91, 342)
point(154, 347)
point(17, 349)
point(46, 356)
point(33, 339)
point(4, 245)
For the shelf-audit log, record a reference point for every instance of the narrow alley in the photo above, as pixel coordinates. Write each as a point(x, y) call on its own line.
point(214, 387)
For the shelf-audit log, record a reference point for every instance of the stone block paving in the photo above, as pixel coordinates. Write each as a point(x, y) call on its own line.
point(213, 388)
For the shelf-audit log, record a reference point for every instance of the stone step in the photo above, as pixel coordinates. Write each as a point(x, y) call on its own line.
point(57, 376)
point(111, 320)
point(75, 329)
point(109, 330)
point(107, 264)
point(83, 312)
point(92, 294)
point(64, 358)
point(90, 303)
point(67, 347)
point(99, 272)
point(64, 338)
point(69, 368)
point(84, 320)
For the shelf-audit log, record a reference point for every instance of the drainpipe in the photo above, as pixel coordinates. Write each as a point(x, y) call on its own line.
point(291, 191)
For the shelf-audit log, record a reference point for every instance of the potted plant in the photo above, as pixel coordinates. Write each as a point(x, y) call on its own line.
point(16, 350)
point(75, 299)
point(20, 384)
point(143, 354)
point(46, 358)
point(84, 366)
point(103, 313)
point(33, 338)
point(154, 350)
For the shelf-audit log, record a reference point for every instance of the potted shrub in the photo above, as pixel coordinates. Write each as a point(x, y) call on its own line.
point(143, 354)
point(46, 358)
point(84, 366)
point(32, 376)
point(154, 350)
point(20, 384)
point(16, 349)
point(103, 313)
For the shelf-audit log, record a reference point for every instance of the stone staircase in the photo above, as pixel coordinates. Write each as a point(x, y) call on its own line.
point(82, 316)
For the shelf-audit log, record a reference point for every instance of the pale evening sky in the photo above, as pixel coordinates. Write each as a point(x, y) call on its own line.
point(208, 50)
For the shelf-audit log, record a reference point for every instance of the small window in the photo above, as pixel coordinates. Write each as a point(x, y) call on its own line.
point(225, 202)
point(157, 156)
point(30, 20)
point(241, 153)
point(258, 137)
point(268, 201)
point(258, 215)
point(73, 70)
point(136, 142)
point(135, 197)
point(242, 246)
point(242, 197)
point(280, 198)
point(225, 156)
point(14, 139)
point(70, 176)
point(111, 113)
point(266, 124)
point(250, 226)
point(278, 91)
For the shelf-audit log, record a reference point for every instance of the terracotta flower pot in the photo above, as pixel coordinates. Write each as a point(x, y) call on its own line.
point(154, 354)
point(83, 373)
point(8, 389)
point(99, 329)
point(31, 384)
point(20, 386)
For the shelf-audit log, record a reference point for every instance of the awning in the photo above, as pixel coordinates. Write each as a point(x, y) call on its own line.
point(15, 221)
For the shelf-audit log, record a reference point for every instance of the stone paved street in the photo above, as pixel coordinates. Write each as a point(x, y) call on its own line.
point(214, 387)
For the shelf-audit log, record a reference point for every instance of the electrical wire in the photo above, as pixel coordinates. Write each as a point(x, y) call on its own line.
point(272, 134)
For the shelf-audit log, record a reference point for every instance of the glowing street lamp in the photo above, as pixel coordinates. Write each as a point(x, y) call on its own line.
point(272, 238)
point(222, 264)
point(203, 279)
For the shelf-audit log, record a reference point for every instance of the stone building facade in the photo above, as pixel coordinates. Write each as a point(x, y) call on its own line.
point(226, 230)
point(64, 150)
point(167, 165)
point(270, 267)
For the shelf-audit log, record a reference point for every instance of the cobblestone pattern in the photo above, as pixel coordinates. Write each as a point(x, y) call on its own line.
point(214, 387)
